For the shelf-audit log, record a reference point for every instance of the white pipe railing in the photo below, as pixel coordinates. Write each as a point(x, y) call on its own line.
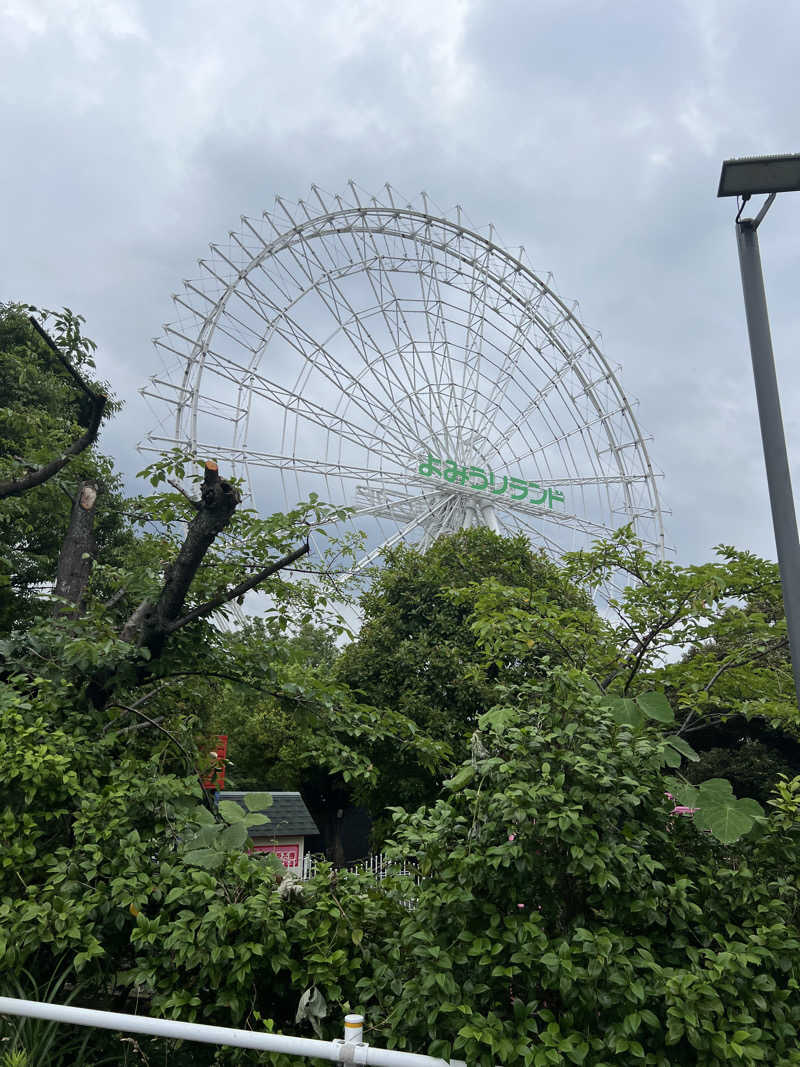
point(349, 1050)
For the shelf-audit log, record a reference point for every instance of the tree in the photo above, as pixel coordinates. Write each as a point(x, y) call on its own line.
point(49, 420)
point(417, 650)
point(23, 355)
point(714, 634)
point(655, 941)
point(100, 777)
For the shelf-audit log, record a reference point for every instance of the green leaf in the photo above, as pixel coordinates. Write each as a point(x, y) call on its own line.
point(716, 787)
point(497, 718)
point(656, 706)
point(727, 818)
point(258, 801)
point(751, 807)
point(685, 794)
point(464, 776)
point(233, 836)
point(671, 757)
point(683, 747)
point(204, 857)
point(231, 811)
point(207, 835)
point(624, 712)
point(255, 820)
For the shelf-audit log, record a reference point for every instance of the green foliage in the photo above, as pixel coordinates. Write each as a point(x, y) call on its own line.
point(562, 914)
point(786, 802)
point(718, 810)
point(429, 647)
point(26, 1042)
point(42, 412)
point(565, 917)
point(728, 615)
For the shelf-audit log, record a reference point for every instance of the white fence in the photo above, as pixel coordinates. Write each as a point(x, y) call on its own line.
point(376, 864)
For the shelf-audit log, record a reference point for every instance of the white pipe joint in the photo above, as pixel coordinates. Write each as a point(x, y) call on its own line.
point(351, 1052)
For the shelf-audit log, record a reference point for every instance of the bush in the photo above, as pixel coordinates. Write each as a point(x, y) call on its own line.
point(566, 917)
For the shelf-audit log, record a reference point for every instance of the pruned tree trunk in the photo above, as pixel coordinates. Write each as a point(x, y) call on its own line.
point(153, 621)
point(78, 548)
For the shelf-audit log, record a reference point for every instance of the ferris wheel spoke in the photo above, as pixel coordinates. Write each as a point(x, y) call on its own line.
point(475, 328)
point(422, 516)
point(401, 336)
point(532, 315)
point(390, 501)
point(398, 327)
point(324, 469)
point(555, 518)
point(565, 436)
point(317, 356)
point(435, 320)
point(528, 526)
point(361, 341)
point(334, 299)
point(508, 368)
point(317, 414)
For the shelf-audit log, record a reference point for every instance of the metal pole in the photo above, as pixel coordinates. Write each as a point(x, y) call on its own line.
point(345, 1051)
point(779, 481)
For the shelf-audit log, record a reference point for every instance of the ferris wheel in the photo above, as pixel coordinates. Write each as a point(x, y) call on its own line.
point(393, 359)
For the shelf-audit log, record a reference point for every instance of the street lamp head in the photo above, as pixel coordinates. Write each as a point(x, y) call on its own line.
point(759, 174)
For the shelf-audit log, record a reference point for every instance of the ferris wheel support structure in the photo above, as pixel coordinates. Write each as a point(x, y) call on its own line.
point(399, 361)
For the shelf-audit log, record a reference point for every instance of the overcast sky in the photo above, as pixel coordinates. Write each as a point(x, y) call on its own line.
point(133, 134)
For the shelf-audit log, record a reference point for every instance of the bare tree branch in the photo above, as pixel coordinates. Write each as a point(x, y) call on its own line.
point(177, 485)
point(238, 590)
point(73, 373)
point(18, 486)
point(152, 722)
point(636, 655)
point(155, 723)
point(782, 643)
point(137, 703)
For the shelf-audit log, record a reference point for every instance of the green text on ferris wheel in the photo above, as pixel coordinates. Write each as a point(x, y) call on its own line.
point(478, 478)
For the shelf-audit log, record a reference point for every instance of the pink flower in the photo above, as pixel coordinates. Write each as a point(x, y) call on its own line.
point(520, 906)
point(512, 837)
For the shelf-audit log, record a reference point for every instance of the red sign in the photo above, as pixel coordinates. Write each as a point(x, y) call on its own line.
point(289, 855)
point(212, 755)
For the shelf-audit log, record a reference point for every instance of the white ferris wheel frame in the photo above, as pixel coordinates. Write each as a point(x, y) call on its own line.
point(412, 389)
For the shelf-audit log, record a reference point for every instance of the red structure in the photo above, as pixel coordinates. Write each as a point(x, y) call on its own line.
point(212, 772)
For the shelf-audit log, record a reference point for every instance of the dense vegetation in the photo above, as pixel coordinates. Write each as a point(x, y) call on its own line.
point(521, 748)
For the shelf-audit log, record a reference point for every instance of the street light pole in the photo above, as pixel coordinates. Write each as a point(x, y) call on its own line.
point(779, 481)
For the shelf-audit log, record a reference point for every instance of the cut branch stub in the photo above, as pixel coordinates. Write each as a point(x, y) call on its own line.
point(78, 548)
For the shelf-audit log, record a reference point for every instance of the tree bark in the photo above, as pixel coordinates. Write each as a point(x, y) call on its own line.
point(151, 622)
point(78, 549)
